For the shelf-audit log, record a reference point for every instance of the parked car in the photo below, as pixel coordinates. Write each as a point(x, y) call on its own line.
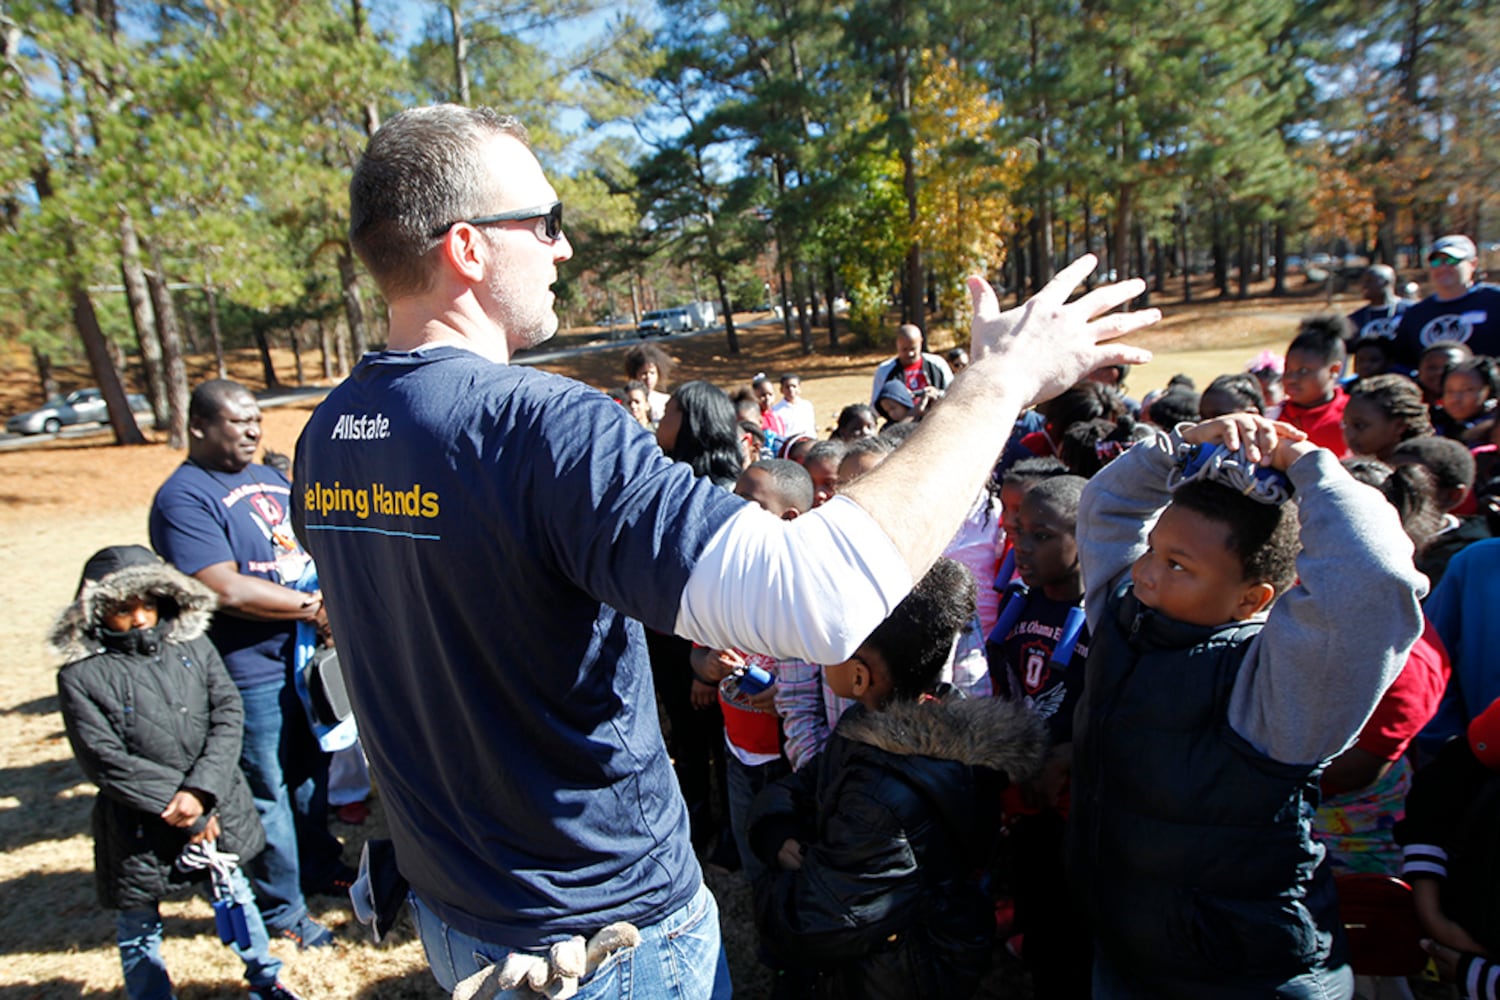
point(679, 319)
point(81, 406)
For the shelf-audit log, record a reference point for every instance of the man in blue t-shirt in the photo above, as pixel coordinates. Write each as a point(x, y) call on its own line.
point(492, 538)
point(226, 520)
point(1458, 309)
point(1378, 317)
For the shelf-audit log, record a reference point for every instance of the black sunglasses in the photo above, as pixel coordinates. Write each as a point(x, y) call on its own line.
point(551, 213)
point(1441, 259)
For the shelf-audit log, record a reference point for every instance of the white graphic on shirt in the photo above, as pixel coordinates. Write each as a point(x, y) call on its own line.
point(1453, 327)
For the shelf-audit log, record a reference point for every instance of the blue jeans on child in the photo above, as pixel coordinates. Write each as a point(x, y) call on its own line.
point(138, 933)
point(680, 957)
point(743, 783)
point(288, 777)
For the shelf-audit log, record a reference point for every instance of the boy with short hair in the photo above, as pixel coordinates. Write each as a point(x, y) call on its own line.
point(872, 851)
point(796, 414)
point(1037, 653)
point(752, 729)
point(1208, 715)
point(822, 463)
point(1314, 399)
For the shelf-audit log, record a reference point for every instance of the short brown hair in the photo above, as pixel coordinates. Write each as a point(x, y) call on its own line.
point(421, 171)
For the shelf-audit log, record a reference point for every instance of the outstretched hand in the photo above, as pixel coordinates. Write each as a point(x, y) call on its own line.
point(1053, 343)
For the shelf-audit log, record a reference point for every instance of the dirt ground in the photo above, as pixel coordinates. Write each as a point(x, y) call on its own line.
point(61, 502)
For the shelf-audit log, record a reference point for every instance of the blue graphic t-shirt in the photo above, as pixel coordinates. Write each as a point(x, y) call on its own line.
point(1377, 322)
point(1472, 319)
point(489, 540)
point(204, 516)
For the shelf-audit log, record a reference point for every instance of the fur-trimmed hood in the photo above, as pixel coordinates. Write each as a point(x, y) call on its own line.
point(185, 607)
point(992, 733)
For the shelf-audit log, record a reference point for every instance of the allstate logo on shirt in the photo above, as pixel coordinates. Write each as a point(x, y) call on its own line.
point(360, 427)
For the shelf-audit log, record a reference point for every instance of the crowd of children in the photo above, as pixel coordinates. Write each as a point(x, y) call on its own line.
point(1205, 618)
point(1177, 671)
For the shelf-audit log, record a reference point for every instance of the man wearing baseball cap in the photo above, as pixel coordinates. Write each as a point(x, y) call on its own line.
point(1457, 310)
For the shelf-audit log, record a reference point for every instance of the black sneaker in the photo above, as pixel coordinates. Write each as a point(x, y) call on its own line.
point(337, 885)
point(308, 933)
point(276, 991)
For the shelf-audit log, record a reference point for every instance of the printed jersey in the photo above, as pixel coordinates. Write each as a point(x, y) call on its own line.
point(201, 517)
point(1021, 664)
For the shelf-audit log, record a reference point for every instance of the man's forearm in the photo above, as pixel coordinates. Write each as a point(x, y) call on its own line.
point(257, 598)
point(923, 491)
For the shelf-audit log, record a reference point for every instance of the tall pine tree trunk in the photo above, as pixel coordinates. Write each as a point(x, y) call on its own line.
point(211, 296)
point(325, 345)
point(833, 324)
point(353, 308)
point(174, 366)
point(805, 307)
point(45, 376)
point(106, 374)
point(139, 297)
point(731, 338)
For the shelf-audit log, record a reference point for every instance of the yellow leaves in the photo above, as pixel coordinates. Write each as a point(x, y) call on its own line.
point(967, 181)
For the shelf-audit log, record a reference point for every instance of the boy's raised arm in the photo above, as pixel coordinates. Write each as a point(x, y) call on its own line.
point(1118, 508)
point(1333, 642)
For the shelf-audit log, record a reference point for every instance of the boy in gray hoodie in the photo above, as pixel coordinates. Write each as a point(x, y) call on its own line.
point(1209, 711)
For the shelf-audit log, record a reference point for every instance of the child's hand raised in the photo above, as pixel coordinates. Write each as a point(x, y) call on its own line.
point(1260, 438)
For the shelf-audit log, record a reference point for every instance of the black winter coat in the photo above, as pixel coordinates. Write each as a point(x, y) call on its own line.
point(897, 816)
point(146, 722)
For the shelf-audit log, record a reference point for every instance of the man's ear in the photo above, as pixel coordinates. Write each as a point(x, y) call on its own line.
point(1254, 599)
point(195, 428)
point(461, 251)
point(790, 514)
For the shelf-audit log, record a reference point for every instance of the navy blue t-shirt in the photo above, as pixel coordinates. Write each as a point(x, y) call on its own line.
point(1472, 319)
point(204, 516)
point(1377, 322)
point(489, 539)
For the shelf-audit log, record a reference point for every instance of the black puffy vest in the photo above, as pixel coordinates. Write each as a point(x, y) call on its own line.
point(1193, 851)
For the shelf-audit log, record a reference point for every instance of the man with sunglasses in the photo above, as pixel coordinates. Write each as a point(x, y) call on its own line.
point(1457, 310)
point(490, 539)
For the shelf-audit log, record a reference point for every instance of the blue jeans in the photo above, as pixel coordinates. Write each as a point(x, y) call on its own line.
point(288, 777)
point(138, 933)
point(680, 957)
point(744, 783)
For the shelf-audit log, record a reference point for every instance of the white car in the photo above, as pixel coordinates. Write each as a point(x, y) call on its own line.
point(81, 406)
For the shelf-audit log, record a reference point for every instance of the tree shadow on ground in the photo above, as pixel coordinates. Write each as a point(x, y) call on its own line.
point(50, 989)
point(48, 809)
point(47, 705)
point(415, 985)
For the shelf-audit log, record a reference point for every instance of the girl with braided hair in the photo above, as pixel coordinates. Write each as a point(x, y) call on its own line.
point(1383, 411)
